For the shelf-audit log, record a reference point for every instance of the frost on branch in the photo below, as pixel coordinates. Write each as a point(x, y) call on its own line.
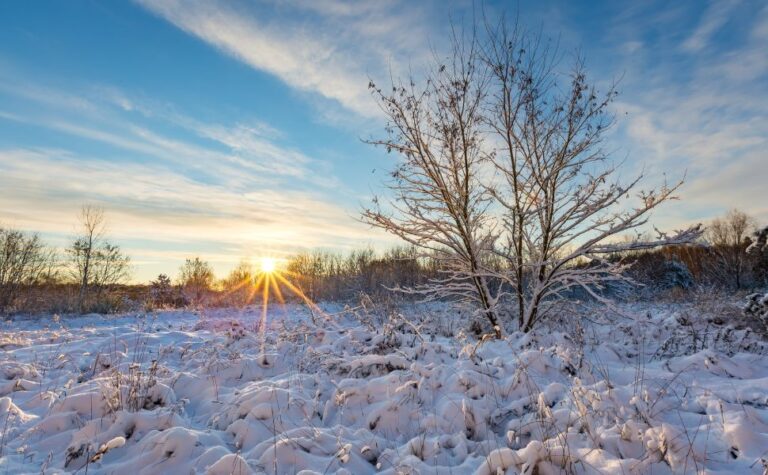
point(439, 203)
point(564, 207)
point(760, 244)
point(504, 181)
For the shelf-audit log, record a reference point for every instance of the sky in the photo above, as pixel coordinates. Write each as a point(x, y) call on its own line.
point(233, 129)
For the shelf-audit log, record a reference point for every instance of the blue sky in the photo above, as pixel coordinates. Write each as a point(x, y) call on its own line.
point(231, 129)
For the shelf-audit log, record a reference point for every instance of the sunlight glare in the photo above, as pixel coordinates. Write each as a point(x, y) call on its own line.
point(268, 265)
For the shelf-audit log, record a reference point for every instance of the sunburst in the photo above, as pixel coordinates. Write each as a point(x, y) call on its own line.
point(269, 281)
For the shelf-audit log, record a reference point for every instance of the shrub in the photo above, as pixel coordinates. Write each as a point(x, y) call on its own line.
point(163, 294)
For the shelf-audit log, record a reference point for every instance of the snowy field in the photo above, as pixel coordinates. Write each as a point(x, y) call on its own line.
point(180, 392)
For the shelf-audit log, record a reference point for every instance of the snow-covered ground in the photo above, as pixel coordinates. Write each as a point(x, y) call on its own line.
point(180, 392)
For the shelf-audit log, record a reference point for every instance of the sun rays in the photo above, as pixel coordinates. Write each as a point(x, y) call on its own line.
point(267, 284)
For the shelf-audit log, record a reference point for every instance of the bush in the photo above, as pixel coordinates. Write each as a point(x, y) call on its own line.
point(757, 307)
point(674, 274)
point(163, 294)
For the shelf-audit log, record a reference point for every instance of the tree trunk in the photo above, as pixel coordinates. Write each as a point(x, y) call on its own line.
point(482, 291)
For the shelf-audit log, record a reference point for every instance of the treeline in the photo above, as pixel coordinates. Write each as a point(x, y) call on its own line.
point(719, 260)
point(91, 274)
point(315, 275)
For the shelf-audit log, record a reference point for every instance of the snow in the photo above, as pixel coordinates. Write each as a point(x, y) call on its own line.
point(184, 392)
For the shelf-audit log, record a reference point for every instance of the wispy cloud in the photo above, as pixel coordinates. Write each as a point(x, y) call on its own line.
point(751, 61)
point(45, 187)
point(193, 184)
point(715, 16)
point(236, 151)
point(332, 55)
point(706, 119)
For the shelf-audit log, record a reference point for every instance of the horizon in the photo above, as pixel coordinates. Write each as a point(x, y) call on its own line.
point(231, 131)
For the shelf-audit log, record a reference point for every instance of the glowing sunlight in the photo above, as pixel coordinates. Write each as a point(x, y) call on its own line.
point(268, 264)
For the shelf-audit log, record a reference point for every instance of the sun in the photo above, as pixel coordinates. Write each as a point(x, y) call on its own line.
point(273, 278)
point(268, 265)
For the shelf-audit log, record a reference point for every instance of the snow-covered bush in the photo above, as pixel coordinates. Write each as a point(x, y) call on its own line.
point(757, 306)
point(757, 303)
point(133, 387)
point(760, 244)
point(673, 274)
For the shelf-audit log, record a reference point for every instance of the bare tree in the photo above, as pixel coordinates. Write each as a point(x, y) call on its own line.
point(562, 204)
point(729, 237)
point(24, 260)
point(83, 249)
point(95, 263)
point(554, 209)
point(111, 266)
point(196, 279)
point(439, 205)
